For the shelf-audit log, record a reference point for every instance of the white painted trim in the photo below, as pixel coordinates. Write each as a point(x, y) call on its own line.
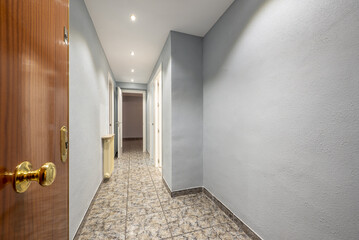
point(111, 104)
point(159, 69)
point(152, 110)
point(143, 113)
point(158, 116)
point(119, 121)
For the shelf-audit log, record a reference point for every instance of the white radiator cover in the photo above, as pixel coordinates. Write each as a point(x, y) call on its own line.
point(108, 155)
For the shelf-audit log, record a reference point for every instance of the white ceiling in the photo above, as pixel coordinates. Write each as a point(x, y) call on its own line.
point(147, 35)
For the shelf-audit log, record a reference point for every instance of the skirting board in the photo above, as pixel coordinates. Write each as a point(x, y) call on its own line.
point(182, 192)
point(228, 212)
point(79, 230)
point(132, 139)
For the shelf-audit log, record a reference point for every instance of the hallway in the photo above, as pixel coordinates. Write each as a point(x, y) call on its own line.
point(134, 204)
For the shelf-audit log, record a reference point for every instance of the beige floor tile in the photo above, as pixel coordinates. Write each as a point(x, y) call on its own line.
point(139, 195)
point(204, 234)
point(184, 226)
point(152, 226)
point(135, 204)
point(230, 231)
point(139, 211)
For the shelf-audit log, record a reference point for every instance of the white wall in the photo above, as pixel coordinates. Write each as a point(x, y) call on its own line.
point(132, 116)
point(281, 116)
point(89, 113)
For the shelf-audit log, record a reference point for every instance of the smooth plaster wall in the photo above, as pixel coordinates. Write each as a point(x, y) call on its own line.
point(187, 109)
point(164, 61)
point(88, 112)
point(132, 116)
point(281, 117)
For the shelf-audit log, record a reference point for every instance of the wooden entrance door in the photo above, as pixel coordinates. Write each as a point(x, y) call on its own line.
point(33, 108)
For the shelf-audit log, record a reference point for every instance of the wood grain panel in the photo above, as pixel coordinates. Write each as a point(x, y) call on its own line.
point(33, 105)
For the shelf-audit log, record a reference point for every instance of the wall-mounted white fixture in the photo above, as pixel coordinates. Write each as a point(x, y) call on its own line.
point(133, 17)
point(108, 155)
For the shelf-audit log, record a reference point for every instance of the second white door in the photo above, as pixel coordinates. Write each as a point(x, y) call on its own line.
point(119, 122)
point(158, 119)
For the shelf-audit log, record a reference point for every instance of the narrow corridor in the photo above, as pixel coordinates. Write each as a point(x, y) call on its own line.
point(134, 204)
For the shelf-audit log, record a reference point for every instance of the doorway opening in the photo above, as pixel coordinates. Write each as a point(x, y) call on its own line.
point(131, 118)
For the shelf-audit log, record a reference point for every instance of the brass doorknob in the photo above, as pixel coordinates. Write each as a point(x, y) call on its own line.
point(23, 175)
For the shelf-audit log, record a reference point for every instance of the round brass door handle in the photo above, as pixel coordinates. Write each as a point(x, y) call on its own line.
point(23, 175)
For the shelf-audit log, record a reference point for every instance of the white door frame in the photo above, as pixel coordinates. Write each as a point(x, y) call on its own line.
point(151, 119)
point(111, 104)
point(158, 116)
point(155, 121)
point(143, 113)
point(119, 121)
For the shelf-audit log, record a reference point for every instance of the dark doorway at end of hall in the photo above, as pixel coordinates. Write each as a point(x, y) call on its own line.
point(132, 111)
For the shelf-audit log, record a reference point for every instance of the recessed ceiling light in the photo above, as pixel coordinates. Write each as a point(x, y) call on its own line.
point(132, 70)
point(133, 17)
point(132, 80)
point(132, 53)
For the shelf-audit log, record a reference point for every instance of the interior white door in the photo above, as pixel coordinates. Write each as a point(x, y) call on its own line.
point(111, 108)
point(159, 118)
point(156, 129)
point(152, 120)
point(119, 122)
point(158, 121)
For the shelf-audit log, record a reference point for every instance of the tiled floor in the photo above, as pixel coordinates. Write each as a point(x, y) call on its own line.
point(134, 204)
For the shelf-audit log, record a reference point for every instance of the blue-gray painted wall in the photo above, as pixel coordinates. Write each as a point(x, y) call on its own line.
point(89, 112)
point(181, 60)
point(187, 108)
point(281, 129)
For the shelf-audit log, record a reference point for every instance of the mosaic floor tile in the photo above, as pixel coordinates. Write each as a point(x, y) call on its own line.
point(204, 234)
point(144, 210)
point(135, 204)
point(142, 195)
point(152, 226)
point(230, 231)
point(183, 226)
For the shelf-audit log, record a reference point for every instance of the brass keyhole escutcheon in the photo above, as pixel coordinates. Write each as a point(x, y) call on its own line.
point(23, 175)
point(64, 143)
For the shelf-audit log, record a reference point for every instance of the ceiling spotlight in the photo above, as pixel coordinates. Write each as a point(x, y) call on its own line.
point(133, 18)
point(132, 53)
point(132, 80)
point(132, 70)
